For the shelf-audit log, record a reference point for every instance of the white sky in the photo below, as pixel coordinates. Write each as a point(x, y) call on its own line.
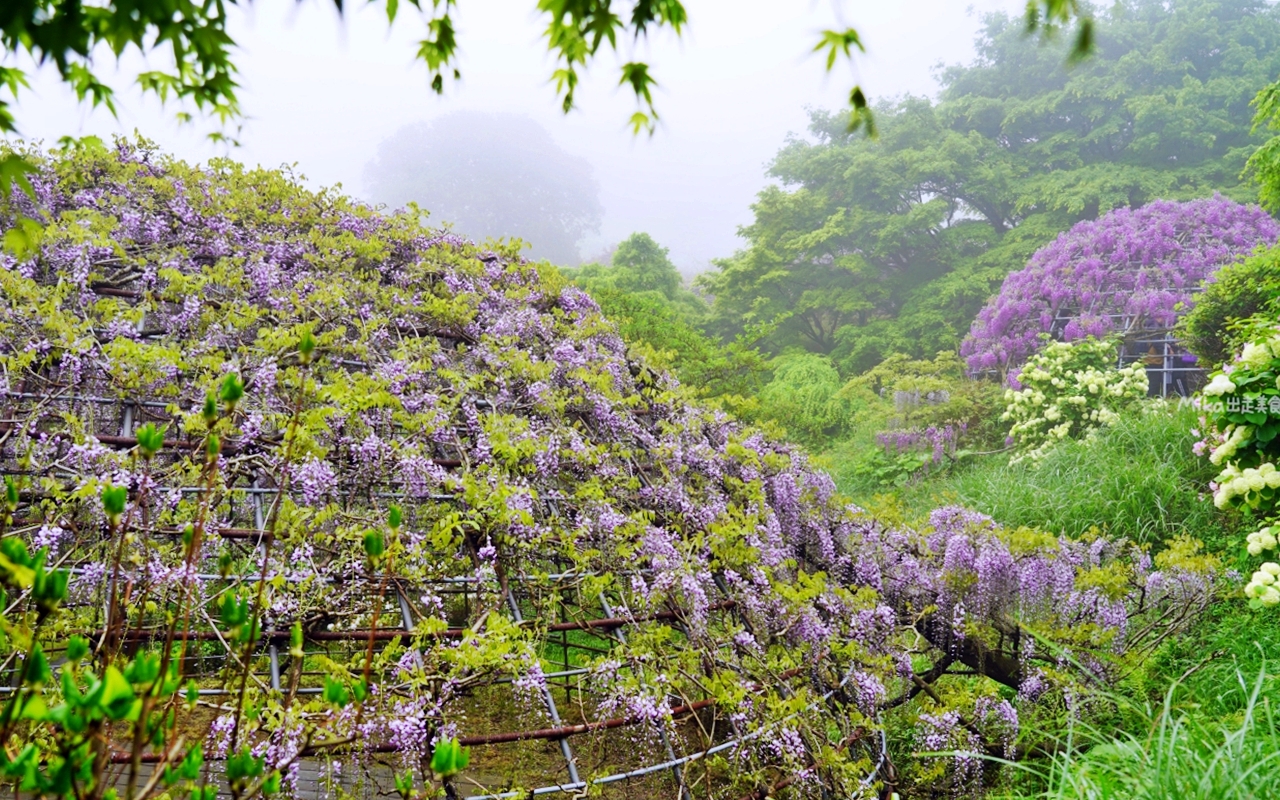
point(321, 92)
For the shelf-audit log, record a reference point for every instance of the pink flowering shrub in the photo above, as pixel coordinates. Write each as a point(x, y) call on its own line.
point(1141, 265)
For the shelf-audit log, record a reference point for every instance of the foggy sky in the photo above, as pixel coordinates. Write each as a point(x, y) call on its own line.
point(321, 92)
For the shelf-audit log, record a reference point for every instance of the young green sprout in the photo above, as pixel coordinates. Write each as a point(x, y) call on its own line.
point(209, 412)
point(449, 758)
point(150, 440)
point(374, 547)
point(113, 502)
point(10, 494)
point(306, 346)
point(231, 391)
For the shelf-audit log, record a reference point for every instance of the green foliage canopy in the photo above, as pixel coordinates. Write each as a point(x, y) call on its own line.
point(891, 245)
point(638, 264)
point(1225, 312)
point(644, 294)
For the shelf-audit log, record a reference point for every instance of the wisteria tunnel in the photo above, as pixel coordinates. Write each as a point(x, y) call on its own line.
point(586, 578)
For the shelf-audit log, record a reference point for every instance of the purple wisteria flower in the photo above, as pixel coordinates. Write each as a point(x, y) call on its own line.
point(1128, 268)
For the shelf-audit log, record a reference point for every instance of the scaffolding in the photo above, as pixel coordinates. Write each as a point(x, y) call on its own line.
point(1172, 370)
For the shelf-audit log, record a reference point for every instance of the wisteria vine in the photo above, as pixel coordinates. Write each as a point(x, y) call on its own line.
point(376, 411)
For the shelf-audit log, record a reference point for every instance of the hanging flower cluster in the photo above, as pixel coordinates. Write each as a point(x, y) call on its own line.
point(283, 418)
point(1128, 268)
point(1068, 390)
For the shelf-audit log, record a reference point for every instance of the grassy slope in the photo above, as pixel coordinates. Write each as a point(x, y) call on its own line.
point(1137, 479)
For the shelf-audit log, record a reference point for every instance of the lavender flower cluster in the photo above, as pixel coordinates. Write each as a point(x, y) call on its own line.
point(1128, 268)
point(938, 441)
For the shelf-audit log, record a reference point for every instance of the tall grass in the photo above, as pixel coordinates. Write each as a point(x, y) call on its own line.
point(1173, 755)
point(1137, 479)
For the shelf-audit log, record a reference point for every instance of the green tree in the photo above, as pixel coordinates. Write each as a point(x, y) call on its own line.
point(802, 398)
point(642, 265)
point(643, 293)
point(731, 373)
point(875, 246)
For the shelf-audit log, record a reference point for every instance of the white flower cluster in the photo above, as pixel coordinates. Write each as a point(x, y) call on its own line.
point(1069, 389)
point(1220, 385)
point(1256, 487)
point(1258, 541)
point(1246, 484)
point(1262, 586)
point(1259, 355)
point(1236, 436)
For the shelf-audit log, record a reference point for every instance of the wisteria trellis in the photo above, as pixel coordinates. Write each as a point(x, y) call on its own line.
point(742, 614)
point(1130, 266)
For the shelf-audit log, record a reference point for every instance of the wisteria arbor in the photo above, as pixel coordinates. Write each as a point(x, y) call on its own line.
point(1130, 272)
point(333, 491)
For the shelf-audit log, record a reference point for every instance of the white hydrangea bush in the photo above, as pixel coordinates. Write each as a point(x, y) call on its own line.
point(1068, 390)
point(1241, 419)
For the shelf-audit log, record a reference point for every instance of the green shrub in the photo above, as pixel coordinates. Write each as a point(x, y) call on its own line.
point(899, 401)
point(1212, 329)
point(938, 392)
point(802, 398)
point(1242, 409)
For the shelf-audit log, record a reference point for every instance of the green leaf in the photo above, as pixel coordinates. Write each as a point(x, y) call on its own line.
point(235, 611)
point(191, 763)
point(11, 495)
point(231, 391)
point(118, 699)
point(150, 439)
point(77, 648)
point(1083, 46)
point(22, 241)
point(838, 43)
point(49, 589)
point(335, 693)
point(306, 345)
point(295, 640)
point(113, 502)
point(37, 671)
point(143, 669)
point(271, 785)
point(16, 571)
point(34, 708)
point(449, 758)
point(13, 167)
point(210, 410)
point(374, 547)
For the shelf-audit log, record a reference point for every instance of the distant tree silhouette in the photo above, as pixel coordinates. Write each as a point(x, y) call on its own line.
point(491, 175)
